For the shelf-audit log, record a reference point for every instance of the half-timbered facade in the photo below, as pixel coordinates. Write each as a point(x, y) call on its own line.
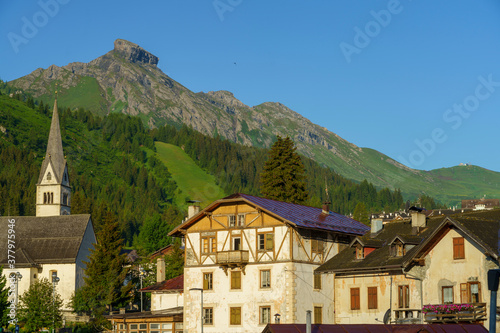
point(254, 258)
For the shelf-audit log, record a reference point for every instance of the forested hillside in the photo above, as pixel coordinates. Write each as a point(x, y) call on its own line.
point(110, 169)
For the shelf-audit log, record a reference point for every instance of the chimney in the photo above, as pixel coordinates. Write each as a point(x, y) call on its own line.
point(417, 219)
point(308, 321)
point(325, 208)
point(193, 210)
point(160, 270)
point(377, 225)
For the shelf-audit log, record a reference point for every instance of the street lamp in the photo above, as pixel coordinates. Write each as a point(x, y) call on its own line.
point(16, 277)
point(200, 289)
point(55, 280)
point(141, 275)
point(277, 318)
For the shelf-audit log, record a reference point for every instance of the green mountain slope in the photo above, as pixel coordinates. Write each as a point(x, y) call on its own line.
point(127, 80)
point(192, 181)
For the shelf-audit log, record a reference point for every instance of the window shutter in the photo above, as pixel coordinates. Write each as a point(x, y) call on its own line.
point(355, 299)
point(372, 297)
point(269, 241)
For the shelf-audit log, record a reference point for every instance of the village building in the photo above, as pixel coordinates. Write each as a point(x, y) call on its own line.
point(391, 273)
point(166, 314)
point(480, 204)
point(250, 261)
point(53, 244)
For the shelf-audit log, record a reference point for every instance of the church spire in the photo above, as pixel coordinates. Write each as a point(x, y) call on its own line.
point(53, 189)
point(54, 154)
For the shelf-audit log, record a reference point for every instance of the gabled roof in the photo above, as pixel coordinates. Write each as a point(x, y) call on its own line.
point(54, 154)
point(296, 215)
point(44, 239)
point(175, 284)
point(481, 227)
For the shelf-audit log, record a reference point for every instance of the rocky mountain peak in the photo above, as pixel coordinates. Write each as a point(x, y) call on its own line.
point(227, 98)
point(134, 53)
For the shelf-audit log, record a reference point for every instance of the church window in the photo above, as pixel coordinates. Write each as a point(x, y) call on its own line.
point(65, 177)
point(44, 197)
point(65, 199)
point(49, 176)
point(51, 200)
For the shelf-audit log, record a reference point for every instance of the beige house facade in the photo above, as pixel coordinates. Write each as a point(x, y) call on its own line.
point(252, 260)
point(402, 267)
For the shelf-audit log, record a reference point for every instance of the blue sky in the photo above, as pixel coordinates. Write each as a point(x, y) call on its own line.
point(416, 80)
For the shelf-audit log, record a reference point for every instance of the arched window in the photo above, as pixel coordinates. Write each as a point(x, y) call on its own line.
point(51, 197)
point(44, 197)
point(65, 199)
point(49, 176)
point(65, 177)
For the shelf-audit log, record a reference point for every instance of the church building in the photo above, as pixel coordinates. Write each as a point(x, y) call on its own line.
point(53, 244)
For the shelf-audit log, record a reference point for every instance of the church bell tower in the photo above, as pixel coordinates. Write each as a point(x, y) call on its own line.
point(53, 193)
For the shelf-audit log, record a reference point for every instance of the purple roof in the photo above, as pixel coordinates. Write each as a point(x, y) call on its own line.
point(307, 217)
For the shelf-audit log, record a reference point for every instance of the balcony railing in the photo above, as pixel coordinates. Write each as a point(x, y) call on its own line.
point(408, 316)
point(237, 257)
point(475, 313)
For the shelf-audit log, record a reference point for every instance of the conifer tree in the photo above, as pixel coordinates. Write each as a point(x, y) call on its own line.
point(361, 213)
point(4, 302)
point(284, 174)
point(105, 273)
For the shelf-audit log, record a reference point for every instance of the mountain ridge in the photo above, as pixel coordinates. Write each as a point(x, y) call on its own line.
point(128, 80)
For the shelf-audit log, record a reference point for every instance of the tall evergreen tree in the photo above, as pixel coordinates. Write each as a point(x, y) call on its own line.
point(4, 299)
point(361, 213)
point(105, 273)
point(284, 174)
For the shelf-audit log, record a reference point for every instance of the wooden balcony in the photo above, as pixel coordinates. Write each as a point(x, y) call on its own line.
point(233, 259)
point(475, 315)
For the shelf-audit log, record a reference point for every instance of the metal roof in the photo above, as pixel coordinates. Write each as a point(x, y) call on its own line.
point(307, 217)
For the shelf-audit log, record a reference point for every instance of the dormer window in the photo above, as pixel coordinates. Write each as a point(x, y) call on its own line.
point(359, 252)
point(398, 249)
point(49, 176)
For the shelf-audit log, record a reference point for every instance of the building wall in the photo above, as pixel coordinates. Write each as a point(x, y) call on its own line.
point(384, 283)
point(306, 297)
point(166, 300)
point(442, 270)
point(84, 253)
point(56, 208)
point(65, 272)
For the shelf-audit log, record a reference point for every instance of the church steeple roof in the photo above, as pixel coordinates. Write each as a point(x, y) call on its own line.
point(55, 154)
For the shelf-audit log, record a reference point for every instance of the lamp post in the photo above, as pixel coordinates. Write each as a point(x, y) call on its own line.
point(55, 280)
point(200, 289)
point(16, 277)
point(141, 275)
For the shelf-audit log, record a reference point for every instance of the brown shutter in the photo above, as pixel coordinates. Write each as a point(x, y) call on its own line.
point(372, 297)
point(464, 295)
point(355, 299)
